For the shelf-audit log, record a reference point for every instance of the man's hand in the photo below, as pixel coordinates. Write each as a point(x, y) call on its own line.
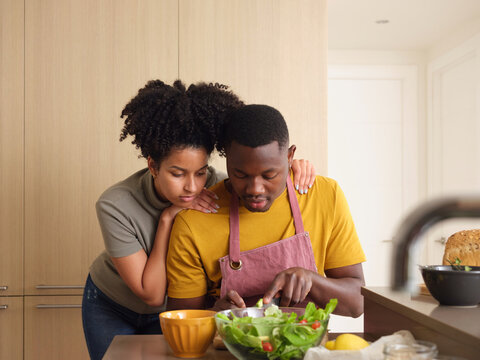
point(230, 301)
point(294, 284)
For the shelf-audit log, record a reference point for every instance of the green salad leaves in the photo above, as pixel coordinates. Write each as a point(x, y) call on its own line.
point(276, 335)
point(456, 265)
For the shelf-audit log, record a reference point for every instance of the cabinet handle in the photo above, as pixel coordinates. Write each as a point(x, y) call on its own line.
point(3, 287)
point(387, 241)
point(3, 307)
point(45, 287)
point(58, 306)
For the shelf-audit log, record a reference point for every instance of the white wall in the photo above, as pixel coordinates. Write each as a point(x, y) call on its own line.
point(448, 115)
point(454, 131)
point(454, 39)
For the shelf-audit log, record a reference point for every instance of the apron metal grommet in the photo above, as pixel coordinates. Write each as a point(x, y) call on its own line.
point(236, 265)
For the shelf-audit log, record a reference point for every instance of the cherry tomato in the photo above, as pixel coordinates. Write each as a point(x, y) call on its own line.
point(304, 321)
point(316, 325)
point(267, 346)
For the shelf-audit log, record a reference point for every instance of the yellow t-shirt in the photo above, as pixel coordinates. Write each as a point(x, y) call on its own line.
point(198, 240)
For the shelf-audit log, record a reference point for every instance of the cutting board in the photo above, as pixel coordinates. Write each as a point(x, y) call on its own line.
point(424, 290)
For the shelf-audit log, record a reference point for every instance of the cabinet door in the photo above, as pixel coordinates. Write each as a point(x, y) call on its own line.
point(11, 147)
point(84, 61)
point(270, 52)
point(53, 328)
point(11, 328)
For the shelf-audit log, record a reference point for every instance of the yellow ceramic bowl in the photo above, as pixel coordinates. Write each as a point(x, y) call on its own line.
point(188, 332)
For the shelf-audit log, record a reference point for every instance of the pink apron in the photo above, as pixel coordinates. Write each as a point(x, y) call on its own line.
point(251, 272)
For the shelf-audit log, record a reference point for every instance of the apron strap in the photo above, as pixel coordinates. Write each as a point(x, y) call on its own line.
point(234, 236)
point(234, 250)
point(297, 215)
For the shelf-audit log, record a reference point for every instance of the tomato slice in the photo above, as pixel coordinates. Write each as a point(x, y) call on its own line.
point(267, 346)
point(304, 321)
point(316, 325)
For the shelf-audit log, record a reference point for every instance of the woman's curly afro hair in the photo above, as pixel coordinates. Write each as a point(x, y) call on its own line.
point(163, 117)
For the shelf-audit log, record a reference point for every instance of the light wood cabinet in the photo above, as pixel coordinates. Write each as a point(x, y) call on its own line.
point(84, 61)
point(53, 328)
point(270, 52)
point(67, 69)
point(11, 327)
point(11, 147)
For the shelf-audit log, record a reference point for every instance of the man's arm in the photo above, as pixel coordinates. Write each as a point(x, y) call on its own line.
point(343, 283)
point(188, 303)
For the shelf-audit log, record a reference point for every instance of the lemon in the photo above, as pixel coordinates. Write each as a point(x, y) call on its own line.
point(330, 345)
point(350, 342)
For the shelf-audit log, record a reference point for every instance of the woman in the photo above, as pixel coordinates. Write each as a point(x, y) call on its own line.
point(176, 130)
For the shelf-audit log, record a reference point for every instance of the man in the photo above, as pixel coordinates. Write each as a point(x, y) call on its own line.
point(264, 240)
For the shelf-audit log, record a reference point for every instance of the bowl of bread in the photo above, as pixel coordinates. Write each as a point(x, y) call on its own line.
point(457, 281)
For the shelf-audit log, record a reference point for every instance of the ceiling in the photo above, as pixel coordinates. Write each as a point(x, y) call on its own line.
point(413, 24)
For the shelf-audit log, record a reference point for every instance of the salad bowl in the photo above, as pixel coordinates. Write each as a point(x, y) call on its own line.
point(273, 332)
point(454, 285)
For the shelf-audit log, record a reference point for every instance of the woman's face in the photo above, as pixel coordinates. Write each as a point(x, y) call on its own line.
point(181, 175)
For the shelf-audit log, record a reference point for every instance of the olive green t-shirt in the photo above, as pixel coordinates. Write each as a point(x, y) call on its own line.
point(128, 213)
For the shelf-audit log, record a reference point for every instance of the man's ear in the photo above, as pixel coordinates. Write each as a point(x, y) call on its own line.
point(291, 152)
point(152, 166)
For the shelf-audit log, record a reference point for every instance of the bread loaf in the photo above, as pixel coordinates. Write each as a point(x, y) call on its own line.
point(464, 245)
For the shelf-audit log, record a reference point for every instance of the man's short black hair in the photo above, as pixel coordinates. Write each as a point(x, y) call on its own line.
point(253, 126)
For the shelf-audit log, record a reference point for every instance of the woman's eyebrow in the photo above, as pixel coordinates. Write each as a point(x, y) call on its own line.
point(203, 167)
point(182, 169)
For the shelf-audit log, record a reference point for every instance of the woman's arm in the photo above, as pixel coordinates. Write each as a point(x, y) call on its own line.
point(146, 275)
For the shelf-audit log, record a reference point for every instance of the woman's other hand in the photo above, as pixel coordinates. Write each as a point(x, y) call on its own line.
point(303, 175)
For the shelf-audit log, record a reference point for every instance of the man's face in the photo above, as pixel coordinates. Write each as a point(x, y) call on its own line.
point(258, 175)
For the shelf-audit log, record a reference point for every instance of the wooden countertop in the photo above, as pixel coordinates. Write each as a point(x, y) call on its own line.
point(151, 347)
point(155, 347)
point(387, 311)
point(456, 330)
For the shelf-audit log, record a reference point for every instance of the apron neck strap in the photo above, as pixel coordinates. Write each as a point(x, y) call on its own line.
point(234, 237)
point(297, 215)
point(234, 245)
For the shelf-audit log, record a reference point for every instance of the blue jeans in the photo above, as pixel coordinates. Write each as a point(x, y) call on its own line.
point(103, 319)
